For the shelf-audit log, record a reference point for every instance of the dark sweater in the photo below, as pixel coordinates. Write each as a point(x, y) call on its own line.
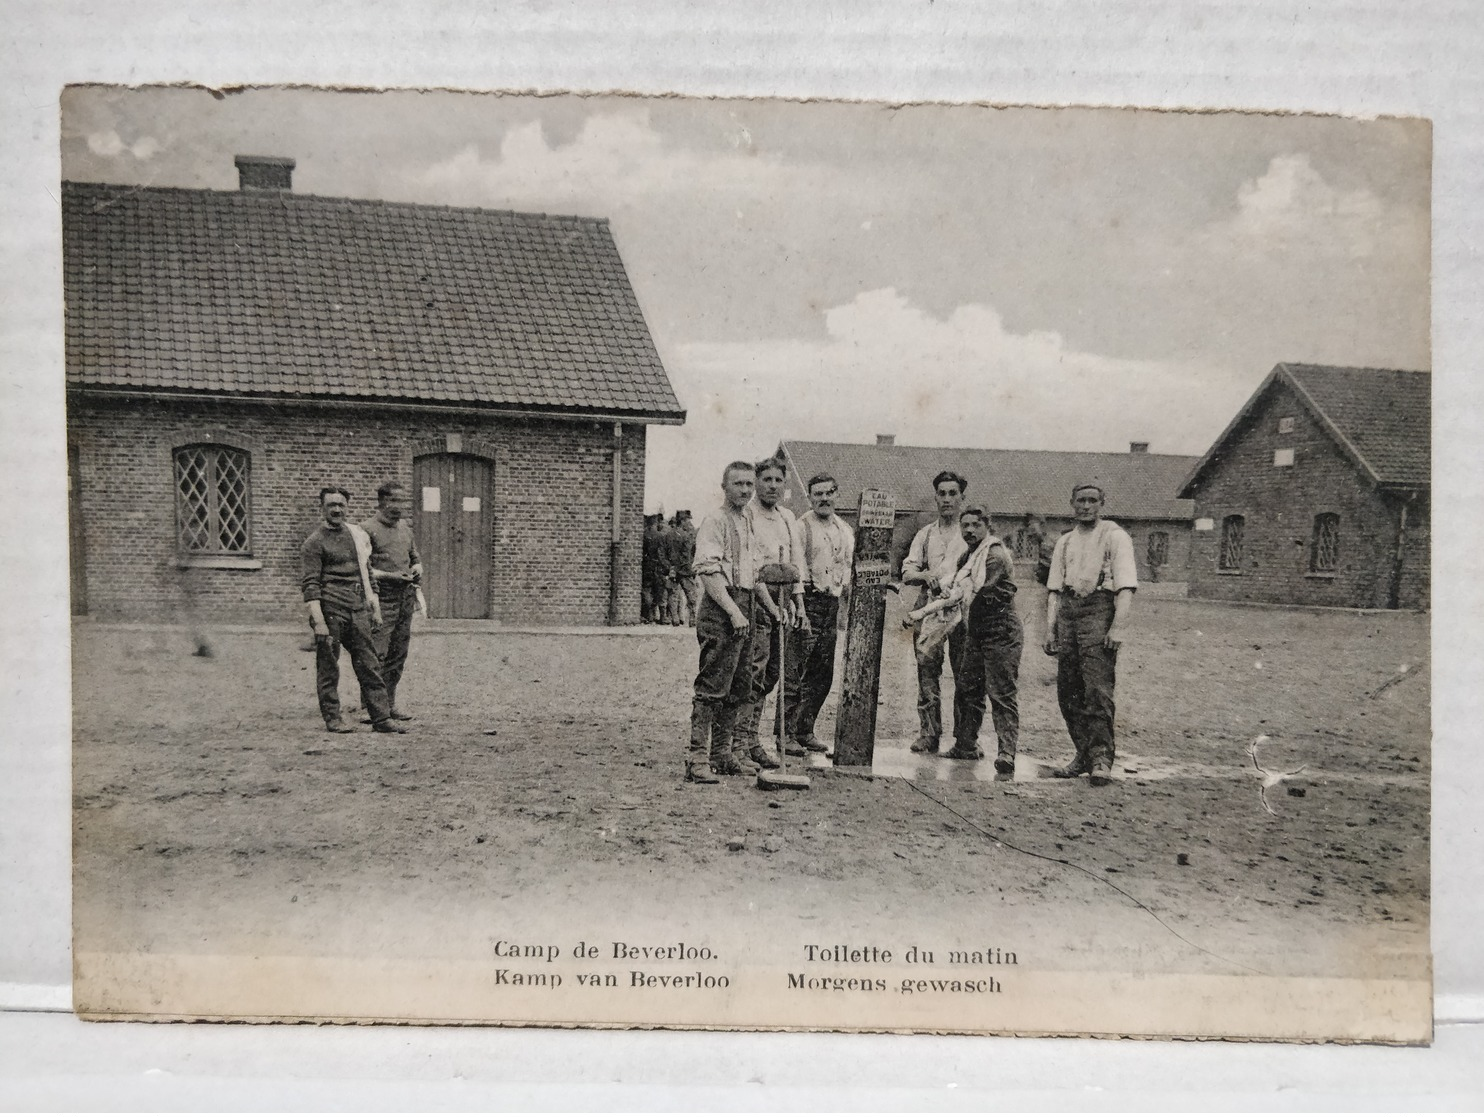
point(330, 570)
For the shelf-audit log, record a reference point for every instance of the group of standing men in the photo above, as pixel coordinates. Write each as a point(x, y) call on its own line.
point(669, 590)
point(361, 586)
point(740, 617)
point(961, 568)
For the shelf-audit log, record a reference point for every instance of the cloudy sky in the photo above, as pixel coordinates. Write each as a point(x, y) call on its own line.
point(957, 276)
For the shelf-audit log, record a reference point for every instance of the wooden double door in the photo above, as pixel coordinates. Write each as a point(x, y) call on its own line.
point(453, 517)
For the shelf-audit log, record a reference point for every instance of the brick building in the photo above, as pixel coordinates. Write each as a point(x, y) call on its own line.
point(1012, 485)
point(1318, 492)
point(230, 352)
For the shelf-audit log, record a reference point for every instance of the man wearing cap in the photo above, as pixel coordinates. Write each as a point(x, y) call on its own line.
point(827, 546)
point(1091, 592)
point(342, 607)
point(932, 562)
point(775, 538)
point(725, 563)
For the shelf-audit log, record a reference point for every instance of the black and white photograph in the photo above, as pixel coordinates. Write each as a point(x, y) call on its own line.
point(751, 564)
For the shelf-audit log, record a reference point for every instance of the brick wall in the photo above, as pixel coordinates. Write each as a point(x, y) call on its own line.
point(552, 503)
point(1280, 503)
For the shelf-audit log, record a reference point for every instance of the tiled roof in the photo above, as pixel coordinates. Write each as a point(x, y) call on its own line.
point(295, 295)
point(1380, 417)
point(1007, 482)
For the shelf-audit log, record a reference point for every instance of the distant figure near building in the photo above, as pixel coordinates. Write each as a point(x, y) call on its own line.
point(828, 547)
point(724, 564)
point(682, 589)
point(1091, 584)
point(342, 607)
point(775, 537)
point(656, 572)
point(396, 572)
point(932, 562)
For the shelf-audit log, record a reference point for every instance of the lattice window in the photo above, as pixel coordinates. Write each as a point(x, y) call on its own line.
point(1232, 530)
point(1324, 551)
point(1159, 549)
point(213, 500)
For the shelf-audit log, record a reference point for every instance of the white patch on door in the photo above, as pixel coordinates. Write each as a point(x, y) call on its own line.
point(471, 504)
point(432, 498)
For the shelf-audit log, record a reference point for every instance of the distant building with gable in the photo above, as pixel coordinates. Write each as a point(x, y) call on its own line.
point(230, 352)
point(1319, 492)
point(1013, 486)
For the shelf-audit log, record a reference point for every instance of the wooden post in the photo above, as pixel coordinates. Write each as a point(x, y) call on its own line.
point(855, 724)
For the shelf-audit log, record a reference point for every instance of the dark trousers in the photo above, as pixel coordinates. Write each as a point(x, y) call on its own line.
point(763, 657)
point(350, 627)
point(393, 636)
point(930, 690)
point(1085, 674)
point(811, 663)
point(990, 669)
point(724, 679)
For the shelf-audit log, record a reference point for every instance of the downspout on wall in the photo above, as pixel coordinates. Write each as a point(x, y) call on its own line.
point(1399, 558)
point(615, 544)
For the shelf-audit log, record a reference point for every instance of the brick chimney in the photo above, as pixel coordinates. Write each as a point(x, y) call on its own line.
point(265, 172)
point(1138, 447)
point(886, 440)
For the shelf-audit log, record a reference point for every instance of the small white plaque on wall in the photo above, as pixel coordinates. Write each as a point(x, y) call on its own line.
point(432, 498)
point(1205, 523)
point(1282, 457)
point(471, 504)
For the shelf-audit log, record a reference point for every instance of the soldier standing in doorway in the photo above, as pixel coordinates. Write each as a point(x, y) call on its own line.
point(396, 573)
point(1091, 584)
point(932, 563)
point(342, 608)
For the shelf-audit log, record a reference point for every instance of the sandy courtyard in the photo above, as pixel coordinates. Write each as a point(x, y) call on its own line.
point(539, 792)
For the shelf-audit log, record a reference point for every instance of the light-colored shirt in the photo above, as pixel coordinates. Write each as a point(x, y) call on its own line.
point(1085, 561)
point(829, 548)
point(775, 539)
point(725, 546)
point(935, 550)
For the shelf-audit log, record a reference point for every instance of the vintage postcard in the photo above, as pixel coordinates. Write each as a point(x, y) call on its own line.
point(608, 561)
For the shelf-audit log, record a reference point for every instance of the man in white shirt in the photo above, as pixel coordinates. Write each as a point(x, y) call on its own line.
point(724, 564)
point(1091, 592)
point(932, 562)
point(828, 548)
point(775, 539)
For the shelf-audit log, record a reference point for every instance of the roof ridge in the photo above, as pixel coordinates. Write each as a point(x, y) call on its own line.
point(983, 449)
point(264, 196)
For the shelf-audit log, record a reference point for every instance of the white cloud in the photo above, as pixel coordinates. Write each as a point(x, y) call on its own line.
point(109, 144)
point(617, 156)
point(887, 366)
point(1293, 208)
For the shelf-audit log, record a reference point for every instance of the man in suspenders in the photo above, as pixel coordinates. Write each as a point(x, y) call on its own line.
point(828, 547)
point(725, 564)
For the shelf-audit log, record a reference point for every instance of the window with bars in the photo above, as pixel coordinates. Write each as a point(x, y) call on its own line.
point(1324, 550)
point(213, 500)
point(1159, 549)
point(1232, 530)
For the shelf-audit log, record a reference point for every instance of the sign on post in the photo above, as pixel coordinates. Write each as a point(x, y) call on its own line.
point(855, 725)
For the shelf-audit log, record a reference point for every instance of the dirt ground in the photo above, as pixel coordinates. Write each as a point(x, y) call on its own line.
point(213, 814)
